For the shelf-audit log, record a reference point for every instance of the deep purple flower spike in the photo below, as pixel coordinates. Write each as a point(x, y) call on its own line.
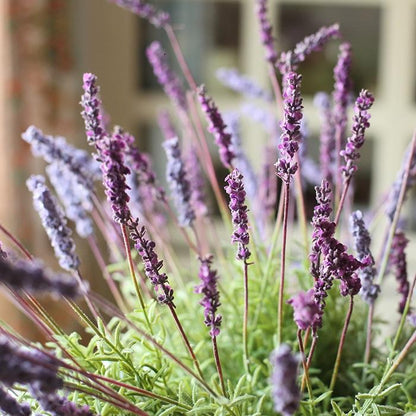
point(235, 189)
point(11, 407)
point(356, 140)
point(54, 223)
point(285, 391)
point(286, 165)
point(217, 128)
point(211, 299)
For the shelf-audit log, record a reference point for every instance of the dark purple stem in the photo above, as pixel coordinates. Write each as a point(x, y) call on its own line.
point(218, 364)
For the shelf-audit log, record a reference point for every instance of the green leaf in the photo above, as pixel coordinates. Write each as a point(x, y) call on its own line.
point(389, 390)
point(390, 410)
point(375, 410)
point(337, 410)
point(322, 397)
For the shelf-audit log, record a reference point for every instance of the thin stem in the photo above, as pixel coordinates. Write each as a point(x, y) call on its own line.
point(90, 305)
point(342, 201)
point(245, 319)
point(370, 316)
point(309, 361)
point(338, 180)
point(276, 88)
point(17, 243)
point(304, 364)
point(341, 344)
point(218, 364)
point(185, 340)
point(282, 265)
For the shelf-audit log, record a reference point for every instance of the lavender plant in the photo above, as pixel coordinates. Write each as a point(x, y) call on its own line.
point(287, 333)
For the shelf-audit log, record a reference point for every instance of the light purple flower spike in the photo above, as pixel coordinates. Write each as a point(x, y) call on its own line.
point(54, 222)
point(11, 407)
point(306, 311)
point(211, 299)
point(217, 128)
point(286, 165)
point(147, 11)
point(266, 35)
point(356, 140)
point(285, 390)
point(290, 60)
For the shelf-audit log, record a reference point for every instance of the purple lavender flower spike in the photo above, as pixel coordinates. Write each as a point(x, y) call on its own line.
point(33, 278)
point(342, 87)
point(356, 140)
point(290, 60)
point(362, 240)
point(306, 311)
point(398, 265)
point(92, 113)
point(152, 264)
point(111, 151)
point(231, 78)
point(147, 11)
point(178, 182)
point(165, 76)
point(266, 29)
point(211, 299)
point(54, 222)
point(57, 150)
point(196, 182)
point(3, 253)
point(235, 189)
point(217, 128)
point(65, 186)
point(286, 166)
point(327, 136)
point(10, 406)
point(165, 123)
point(285, 391)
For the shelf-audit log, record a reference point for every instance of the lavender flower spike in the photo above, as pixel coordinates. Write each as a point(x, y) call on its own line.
point(196, 182)
point(286, 166)
point(266, 31)
point(306, 310)
point(217, 128)
point(147, 11)
point(290, 60)
point(211, 300)
point(111, 155)
point(54, 222)
point(92, 114)
point(235, 189)
point(178, 182)
point(356, 140)
point(165, 76)
point(33, 278)
point(152, 264)
point(362, 240)
point(285, 391)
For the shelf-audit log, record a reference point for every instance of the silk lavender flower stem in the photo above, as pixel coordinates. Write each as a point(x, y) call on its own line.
point(235, 189)
point(286, 167)
point(211, 302)
point(351, 152)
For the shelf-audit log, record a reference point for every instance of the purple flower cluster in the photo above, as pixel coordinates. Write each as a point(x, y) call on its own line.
point(217, 128)
point(289, 145)
point(177, 179)
point(285, 390)
point(152, 264)
point(111, 152)
point(33, 278)
point(362, 240)
point(306, 311)
point(3, 254)
point(232, 79)
point(327, 139)
point(398, 265)
point(165, 123)
point(211, 299)
point(147, 11)
point(165, 76)
point(64, 184)
point(289, 61)
point(266, 31)
point(92, 114)
point(235, 189)
point(356, 140)
point(54, 222)
point(10, 406)
point(342, 87)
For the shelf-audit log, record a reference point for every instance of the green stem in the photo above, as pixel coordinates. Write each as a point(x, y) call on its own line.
point(245, 319)
point(305, 365)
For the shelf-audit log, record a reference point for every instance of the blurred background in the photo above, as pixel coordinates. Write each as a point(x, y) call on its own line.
point(46, 46)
